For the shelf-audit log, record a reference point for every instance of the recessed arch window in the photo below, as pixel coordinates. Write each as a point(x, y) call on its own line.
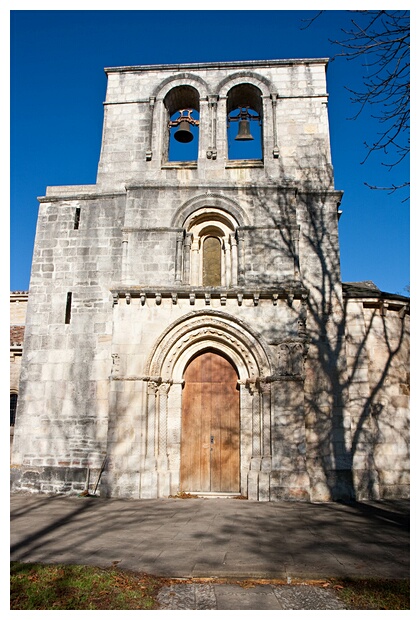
point(210, 249)
point(244, 123)
point(182, 105)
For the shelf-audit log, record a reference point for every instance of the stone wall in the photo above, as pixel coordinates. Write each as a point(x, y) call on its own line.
point(117, 305)
point(378, 354)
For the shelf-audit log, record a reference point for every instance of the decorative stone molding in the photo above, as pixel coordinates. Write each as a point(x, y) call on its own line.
point(289, 291)
point(291, 359)
point(197, 330)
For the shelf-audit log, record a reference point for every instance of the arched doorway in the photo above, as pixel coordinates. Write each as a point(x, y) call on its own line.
point(210, 435)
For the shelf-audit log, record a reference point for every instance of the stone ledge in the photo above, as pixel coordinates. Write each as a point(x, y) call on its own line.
point(287, 291)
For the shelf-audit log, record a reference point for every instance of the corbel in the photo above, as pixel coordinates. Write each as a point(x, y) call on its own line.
point(115, 297)
point(275, 298)
point(174, 298)
point(240, 297)
point(256, 299)
point(207, 298)
point(142, 298)
point(127, 299)
point(158, 298)
point(192, 299)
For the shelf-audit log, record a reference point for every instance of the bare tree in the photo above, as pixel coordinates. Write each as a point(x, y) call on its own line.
point(381, 39)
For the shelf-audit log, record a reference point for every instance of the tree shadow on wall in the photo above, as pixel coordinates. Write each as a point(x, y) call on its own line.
point(356, 386)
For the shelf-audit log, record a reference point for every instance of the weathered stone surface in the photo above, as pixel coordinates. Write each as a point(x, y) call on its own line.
point(118, 306)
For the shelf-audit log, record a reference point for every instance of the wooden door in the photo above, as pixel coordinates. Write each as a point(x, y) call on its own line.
point(210, 426)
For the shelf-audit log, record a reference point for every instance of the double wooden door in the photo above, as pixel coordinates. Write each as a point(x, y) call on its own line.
point(210, 426)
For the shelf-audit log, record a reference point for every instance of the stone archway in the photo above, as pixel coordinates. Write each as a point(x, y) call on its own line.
point(184, 341)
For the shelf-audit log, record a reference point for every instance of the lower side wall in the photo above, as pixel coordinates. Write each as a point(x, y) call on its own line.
point(53, 480)
point(260, 485)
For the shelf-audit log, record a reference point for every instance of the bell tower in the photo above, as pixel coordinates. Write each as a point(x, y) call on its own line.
point(193, 318)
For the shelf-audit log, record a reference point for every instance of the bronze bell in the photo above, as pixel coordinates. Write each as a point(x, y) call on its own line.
point(183, 133)
point(243, 131)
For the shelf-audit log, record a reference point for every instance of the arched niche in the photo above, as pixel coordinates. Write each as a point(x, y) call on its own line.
point(210, 248)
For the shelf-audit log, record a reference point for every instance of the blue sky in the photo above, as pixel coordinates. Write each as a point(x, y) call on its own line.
point(57, 88)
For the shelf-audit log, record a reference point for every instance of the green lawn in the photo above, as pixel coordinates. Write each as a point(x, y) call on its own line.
point(40, 586)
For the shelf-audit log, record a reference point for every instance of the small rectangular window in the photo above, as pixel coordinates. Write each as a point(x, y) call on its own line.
point(77, 219)
point(13, 406)
point(68, 309)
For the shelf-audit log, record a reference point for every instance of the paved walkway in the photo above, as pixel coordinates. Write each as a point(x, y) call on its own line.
point(224, 538)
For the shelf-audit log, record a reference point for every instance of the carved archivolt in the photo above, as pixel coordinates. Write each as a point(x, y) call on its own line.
point(210, 200)
point(203, 330)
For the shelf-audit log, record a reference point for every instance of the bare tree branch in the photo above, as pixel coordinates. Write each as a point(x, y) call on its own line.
point(382, 40)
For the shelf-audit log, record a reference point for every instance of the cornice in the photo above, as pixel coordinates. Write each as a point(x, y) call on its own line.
point(239, 64)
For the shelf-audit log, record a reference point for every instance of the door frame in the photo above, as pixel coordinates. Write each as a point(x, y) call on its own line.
point(161, 442)
point(195, 442)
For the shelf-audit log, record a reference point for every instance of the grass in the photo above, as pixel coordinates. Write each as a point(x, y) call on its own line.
point(73, 587)
point(372, 593)
point(59, 587)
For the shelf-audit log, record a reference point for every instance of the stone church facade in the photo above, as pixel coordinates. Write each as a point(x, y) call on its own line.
point(187, 328)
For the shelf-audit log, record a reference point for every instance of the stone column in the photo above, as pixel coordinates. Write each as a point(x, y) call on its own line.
point(195, 262)
point(241, 258)
point(187, 259)
point(163, 390)
point(125, 263)
point(162, 458)
point(228, 261)
point(295, 241)
point(223, 264)
point(211, 151)
point(234, 261)
point(152, 101)
point(151, 443)
point(256, 421)
point(276, 151)
point(178, 260)
point(149, 477)
point(265, 389)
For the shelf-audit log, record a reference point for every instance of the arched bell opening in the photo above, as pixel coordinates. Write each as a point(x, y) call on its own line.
point(182, 105)
point(244, 123)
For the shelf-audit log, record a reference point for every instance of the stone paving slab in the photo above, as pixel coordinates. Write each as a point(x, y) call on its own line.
point(231, 596)
point(180, 538)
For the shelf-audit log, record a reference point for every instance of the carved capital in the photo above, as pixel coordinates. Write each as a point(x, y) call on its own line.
point(291, 358)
